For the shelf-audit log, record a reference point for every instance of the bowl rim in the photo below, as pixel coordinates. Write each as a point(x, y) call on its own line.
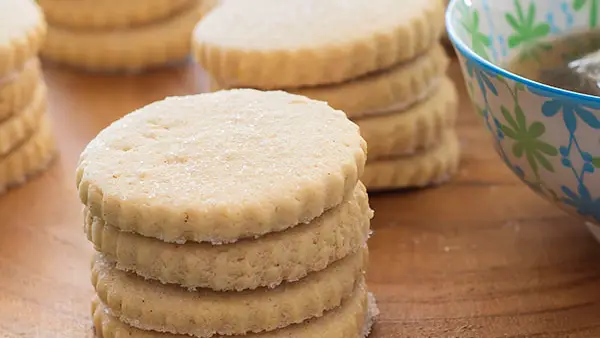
point(468, 52)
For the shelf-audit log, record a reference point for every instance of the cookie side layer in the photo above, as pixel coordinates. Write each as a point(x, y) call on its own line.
point(346, 321)
point(266, 261)
point(273, 44)
point(131, 49)
point(419, 127)
point(372, 93)
point(425, 168)
point(30, 158)
point(261, 162)
point(154, 306)
point(20, 126)
point(23, 32)
point(108, 14)
point(17, 88)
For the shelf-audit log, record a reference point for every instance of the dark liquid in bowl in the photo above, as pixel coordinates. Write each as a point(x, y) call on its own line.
point(567, 62)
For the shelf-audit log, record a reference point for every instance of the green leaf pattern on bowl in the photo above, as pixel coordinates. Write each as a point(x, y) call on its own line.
point(549, 140)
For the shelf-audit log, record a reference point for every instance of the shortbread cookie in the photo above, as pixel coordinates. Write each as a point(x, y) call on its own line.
point(154, 306)
point(17, 88)
point(272, 44)
point(132, 49)
point(247, 264)
point(108, 14)
point(425, 168)
point(221, 166)
point(30, 158)
point(22, 31)
point(15, 130)
point(353, 319)
point(382, 92)
point(419, 127)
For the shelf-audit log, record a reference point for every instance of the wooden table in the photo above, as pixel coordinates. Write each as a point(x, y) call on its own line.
point(481, 256)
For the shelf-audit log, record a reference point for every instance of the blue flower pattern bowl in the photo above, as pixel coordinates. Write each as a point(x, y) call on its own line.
point(550, 138)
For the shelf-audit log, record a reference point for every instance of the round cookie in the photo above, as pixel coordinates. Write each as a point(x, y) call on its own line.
point(384, 91)
point(32, 157)
point(132, 49)
point(18, 87)
point(22, 31)
point(221, 166)
point(419, 127)
point(150, 305)
point(247, 264)
point(107, 14)
point(19, 127)
point(353, 319)
point(273, 44)
point(428, 167)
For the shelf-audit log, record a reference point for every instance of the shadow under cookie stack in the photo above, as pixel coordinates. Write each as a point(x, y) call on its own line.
point(120, 35)
point(381, 62)
point(26, 142)
point(237, 213)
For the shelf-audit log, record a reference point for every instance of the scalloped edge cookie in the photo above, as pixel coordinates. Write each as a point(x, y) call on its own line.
point(18, 87)
point(16, 51)
point(231, 199)
point(234, 61)
point(419, 127)
point(267, 261)
point(107, 14)
point(354, 318)
point(432, 166)
point(131, 50)
point(150, 305)
point(386, 91)
point(20, 126)
point(31, 158)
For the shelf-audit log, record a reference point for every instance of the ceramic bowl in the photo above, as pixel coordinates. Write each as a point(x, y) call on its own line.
point(550, 138)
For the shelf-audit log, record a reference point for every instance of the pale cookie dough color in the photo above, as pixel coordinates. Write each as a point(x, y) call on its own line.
point(352, 320)
point(247, 264)
point(204, 313)
point(419, 127)
point(18, 87)
point(133, 49)
point(271, 44)
point(102, 14)
point(22, 28)
point(428, 167)
point(222, 166)
point(31, 158)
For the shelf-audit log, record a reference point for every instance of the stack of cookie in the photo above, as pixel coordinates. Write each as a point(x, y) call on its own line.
point(379, 61)
point(116, 35)
point(233, 213)
point(26, 141)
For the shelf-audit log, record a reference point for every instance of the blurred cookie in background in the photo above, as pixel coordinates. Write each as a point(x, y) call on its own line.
point(381, 62)
point(26, 140)
point(117, 36)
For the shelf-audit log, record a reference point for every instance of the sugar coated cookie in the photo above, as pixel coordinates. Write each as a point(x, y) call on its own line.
point(273, 44)
point(247, 264)
point(353, 319)
point(221, 166)
point(204, 313)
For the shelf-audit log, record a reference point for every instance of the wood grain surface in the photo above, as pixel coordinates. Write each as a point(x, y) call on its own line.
point(481, 256)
